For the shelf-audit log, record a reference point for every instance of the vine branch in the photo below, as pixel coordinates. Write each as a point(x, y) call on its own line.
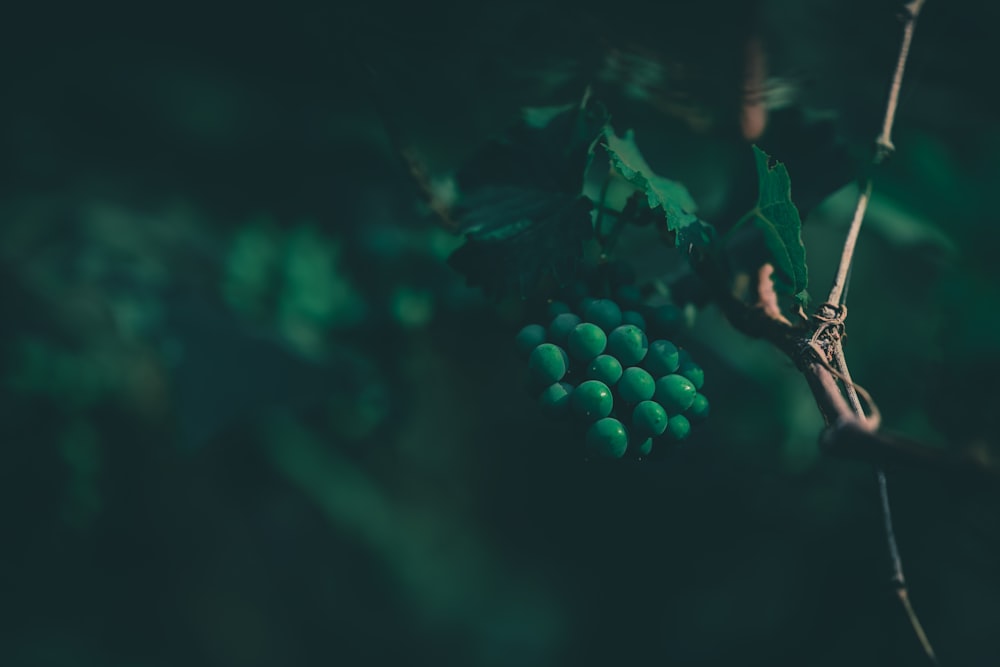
point(817, 350)
point(837, 296)
point(883, 148)
point(884, 140)
point(844, 268)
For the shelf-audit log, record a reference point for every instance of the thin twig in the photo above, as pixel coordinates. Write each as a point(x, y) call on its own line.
point(884, 140)
point(897, 563)
point(897, 577)
point(883, 147)
point(853, 391)
point(847, 256)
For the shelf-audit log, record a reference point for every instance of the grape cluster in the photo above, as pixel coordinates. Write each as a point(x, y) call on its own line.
point(597, 365)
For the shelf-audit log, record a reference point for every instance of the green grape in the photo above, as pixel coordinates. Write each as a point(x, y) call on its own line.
point(645, 447)
point(649, 419)
point(605, 368)
point(693, 372)
point(628, 296)
point(665, 320)
point(558, 308)
point(678, 427)
point(528, 338)
point(628, 343)
point(699, 407)
point(584, 304)
point(636, 385)
point(607, 438)
point(592, 399)
point(561, 326)
point(547, 363)
point(634, 318)
point(586, 341)
point(605, 313)
point(662, 358)
point(555, 398)
point(675, 393)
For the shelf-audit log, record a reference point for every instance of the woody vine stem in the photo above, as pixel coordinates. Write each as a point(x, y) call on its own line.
point(836, 301)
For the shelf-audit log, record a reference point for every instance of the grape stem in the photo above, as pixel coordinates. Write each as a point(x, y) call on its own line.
point(818, 352)
point(838, 296)
point(883, 148)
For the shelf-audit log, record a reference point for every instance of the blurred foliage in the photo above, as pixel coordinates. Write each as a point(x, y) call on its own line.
point(521, 205)
point(250, 416)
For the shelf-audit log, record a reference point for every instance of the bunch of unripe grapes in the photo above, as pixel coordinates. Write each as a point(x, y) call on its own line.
point(597, 366)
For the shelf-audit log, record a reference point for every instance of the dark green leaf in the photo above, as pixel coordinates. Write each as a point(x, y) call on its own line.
point(776, 217)
point(521, 206)
point(811, 147)
point(549, 149)
point(669, 198)
point(520, 236)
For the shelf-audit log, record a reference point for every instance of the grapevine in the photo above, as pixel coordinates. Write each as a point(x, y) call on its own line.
point(605, 361)
point(504, 335)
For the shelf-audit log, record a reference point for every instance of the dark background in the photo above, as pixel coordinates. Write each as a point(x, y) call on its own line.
point(251, 417)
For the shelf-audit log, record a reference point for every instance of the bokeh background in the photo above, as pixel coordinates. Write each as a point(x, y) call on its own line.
point(251, 417)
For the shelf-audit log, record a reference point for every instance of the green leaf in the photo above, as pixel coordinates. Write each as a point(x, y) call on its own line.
point(521, 204)
point(777, 218)
point(548, 149)
point(521, 236)
point(670, 198)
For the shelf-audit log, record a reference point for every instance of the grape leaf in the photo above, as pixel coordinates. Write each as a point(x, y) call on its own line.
point(812, 148)
point(519, 236)
point(521, 204)
point(549, 149)
point(777, 218)
point(668, 197)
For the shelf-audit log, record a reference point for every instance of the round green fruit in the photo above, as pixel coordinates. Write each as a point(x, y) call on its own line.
point(699, 407)
point(605, 368)
point(607, 438)
point(586, 341)
point(554, 399)
point(547, 363)
point(644, 448)
point(628, 343)
point(693, 372)
point(636, 385)
point(662, 358)
point(561, 326)
point(592, 399)
point(605, 313)
point(675, 393)
point(528, 338)
point(678, 427)
point(649, 419)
